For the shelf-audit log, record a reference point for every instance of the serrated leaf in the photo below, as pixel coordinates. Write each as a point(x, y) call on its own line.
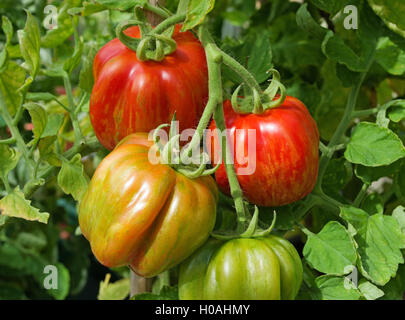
point(392, 13)
point(39, 118)
point(196, 12)
point(390, 56)
point(331, 250)
point(335, 49)
point(373, 146)
point(370, 291)
point(29, 39)
point(86, 79)
point(118, 290)
point(72, 179)
point(8, 160)
point(333, 288)
point(371, 174)
point(308, 24)
point(71, 63)
point(12, 77)
point(399, 215)
point(15, 205)
point(379, 240)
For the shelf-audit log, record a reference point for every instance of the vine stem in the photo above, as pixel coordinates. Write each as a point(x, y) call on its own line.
point(214, 59)
point(15, 133)
point(344, 123)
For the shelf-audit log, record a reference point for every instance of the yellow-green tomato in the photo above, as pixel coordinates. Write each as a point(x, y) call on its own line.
point(266, 268)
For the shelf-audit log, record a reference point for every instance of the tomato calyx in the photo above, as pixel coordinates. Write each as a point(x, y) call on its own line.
point(252, 231)
point(171, 155)
point(258, 102)
point(155, 43)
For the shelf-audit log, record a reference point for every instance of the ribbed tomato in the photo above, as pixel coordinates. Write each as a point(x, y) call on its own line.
point(135, 96)
point(267, 268)
point(145, 215)
point(284, 158)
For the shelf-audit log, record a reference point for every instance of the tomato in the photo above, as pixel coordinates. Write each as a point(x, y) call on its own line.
point(145, 215)
point(134, 96)
point(284, 163)
point(267, 268)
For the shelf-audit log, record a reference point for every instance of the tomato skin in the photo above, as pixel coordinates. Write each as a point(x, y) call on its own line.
point(286, 156)
point(134, 96)
point(267, 268)
point(145, 215)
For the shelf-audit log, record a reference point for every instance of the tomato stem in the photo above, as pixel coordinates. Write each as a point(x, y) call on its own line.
point(344, 123)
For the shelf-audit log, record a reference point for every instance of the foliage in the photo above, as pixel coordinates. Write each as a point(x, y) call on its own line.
point(351, 80)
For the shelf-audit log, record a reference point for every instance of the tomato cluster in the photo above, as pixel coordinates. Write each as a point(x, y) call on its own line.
point(151, 217)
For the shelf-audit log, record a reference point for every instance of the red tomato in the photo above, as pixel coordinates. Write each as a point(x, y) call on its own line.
point(134, 96)
point(285, 157)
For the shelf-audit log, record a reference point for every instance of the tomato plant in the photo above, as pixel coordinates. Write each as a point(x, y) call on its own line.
point(285, 156)
point(319, 84)
point(143, 215)
point(130, 95)
point(266, 268)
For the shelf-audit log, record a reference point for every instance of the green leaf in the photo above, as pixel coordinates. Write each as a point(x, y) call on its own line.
point(308, 24)
point(397, 111)
point(8, 160)
point(394, 290)
point(7, 27)
point(118, 290)
point(379, 240)
point(86, 79)
point(39, 118)
point(15, 205)
point(371, 174)
point(390, 56)
point(399, 215)
point(29, 39)
point(12, 78)
point(329, 6)
point(72, 178)
point(53, 125)
point(196, 12)
point(47, 151)
point(166, 293)
point(370, 291)
point(373, 204)
point(338, 173)
point(333, 288)
point(335, 49)
point(331, 250)
point(260, 57)
point(121, 4)
point(64, 30)
point(63, 283)
point(392, 13)
point(373, 146)
point(71, 63)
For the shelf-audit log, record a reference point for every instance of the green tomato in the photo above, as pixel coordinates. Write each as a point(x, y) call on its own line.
point(267, 268)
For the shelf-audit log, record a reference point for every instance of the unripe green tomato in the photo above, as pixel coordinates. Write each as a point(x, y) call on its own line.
point(267, 268)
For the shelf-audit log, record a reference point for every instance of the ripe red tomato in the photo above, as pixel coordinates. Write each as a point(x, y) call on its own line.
point(134, 96)
point(285, 157)
point(145, 215)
